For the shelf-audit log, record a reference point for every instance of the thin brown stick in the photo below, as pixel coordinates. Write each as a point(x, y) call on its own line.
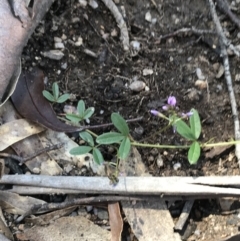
point(224, 7)
point(223, 44)
point(37, 153)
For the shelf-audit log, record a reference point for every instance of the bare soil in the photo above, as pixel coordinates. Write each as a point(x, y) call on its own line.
point(103, 82)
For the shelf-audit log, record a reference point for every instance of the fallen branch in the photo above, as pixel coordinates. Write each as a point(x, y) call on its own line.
point(224, 7)
point(120, 21)
point(164, 186)
point(223, 45)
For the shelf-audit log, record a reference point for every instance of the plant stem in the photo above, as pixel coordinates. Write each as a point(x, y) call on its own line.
point(184, 146)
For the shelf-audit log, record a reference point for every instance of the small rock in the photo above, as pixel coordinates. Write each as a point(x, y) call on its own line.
point(59, 45)
point(226, 203)
point(102, 214)
point(148, 17)
point(147, 88)
point(137, 85)
point(201, 84)
point(159, 161)
point(89, 208)
point(76, 20)
point(57, 40)
point(220, 72)
point(200, 74)
point(135, 45)
point(79, 42)
point(147, 72)
point(36, 170)
point(177, 166)
point(114, 32)
point(68, 168)
point(53, 54)
point(64, 65)
point(83, 3)
point(93, 4)
point(64, 36)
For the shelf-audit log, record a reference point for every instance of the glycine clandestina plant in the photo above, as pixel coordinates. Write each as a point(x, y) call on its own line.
point(54, 97)
point(188, 125)
point(190, 132)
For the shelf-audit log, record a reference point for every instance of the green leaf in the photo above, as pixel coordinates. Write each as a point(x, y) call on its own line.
point(81, 107)
point(184, 130)
point(80, 150)
point(194, 152)
point(124, 148)
point(109, 138)
point(195, 123)
point(88, 113)
point(120, 123)
point(97, 156)
point(63, 98)
point(55, 90)
point(48, 96)
point(87, 137)
point(73, 117)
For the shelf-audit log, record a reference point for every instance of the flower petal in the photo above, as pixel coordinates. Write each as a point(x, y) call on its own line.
point(172, 101)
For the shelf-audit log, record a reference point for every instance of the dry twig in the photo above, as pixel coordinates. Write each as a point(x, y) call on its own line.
point(223, 45)
point(120, 21)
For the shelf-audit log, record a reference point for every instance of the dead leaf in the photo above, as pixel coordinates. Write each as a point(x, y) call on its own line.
point(16, 204)
point(149, 220)
point(15, 131)
point(68, 229)
point(31, 104)
point(216, 151)
point(13, 37)
point(115, 220)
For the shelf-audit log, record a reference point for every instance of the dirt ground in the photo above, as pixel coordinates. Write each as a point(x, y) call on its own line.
point(102, 81)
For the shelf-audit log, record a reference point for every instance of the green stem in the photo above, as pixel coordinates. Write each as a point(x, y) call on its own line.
point(184, 146)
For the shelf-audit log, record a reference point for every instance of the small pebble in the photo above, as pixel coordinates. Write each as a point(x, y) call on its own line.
point(83, 3)
point(93, 4)
point(177, 166)
point(101, 112)
point(79, 42)
point(53, 54)
point(64, 65)
point(200, 74)
point(147, 88)
point(36, 170)
point(59, 45)
point(57, 40)
point(89, 208)
point(147, 72)
point(148, 17)
point(159, 161)
point(137, 85)
point(201, 84)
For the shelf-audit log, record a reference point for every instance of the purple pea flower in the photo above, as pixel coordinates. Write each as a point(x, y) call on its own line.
point(171, 103)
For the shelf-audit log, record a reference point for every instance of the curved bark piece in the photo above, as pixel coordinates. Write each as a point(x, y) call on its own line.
point(16, 28)
point(30, 103)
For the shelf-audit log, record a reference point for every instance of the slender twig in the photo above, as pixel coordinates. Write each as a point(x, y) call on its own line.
point(224, 7)
point(223, 44)
point(37, 153)
point(184, 215)
point(120, 21)
point(186, 30)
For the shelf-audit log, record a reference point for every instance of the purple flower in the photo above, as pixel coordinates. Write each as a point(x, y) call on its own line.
point(157, 113)
point(172, 101)
point(154, 112)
